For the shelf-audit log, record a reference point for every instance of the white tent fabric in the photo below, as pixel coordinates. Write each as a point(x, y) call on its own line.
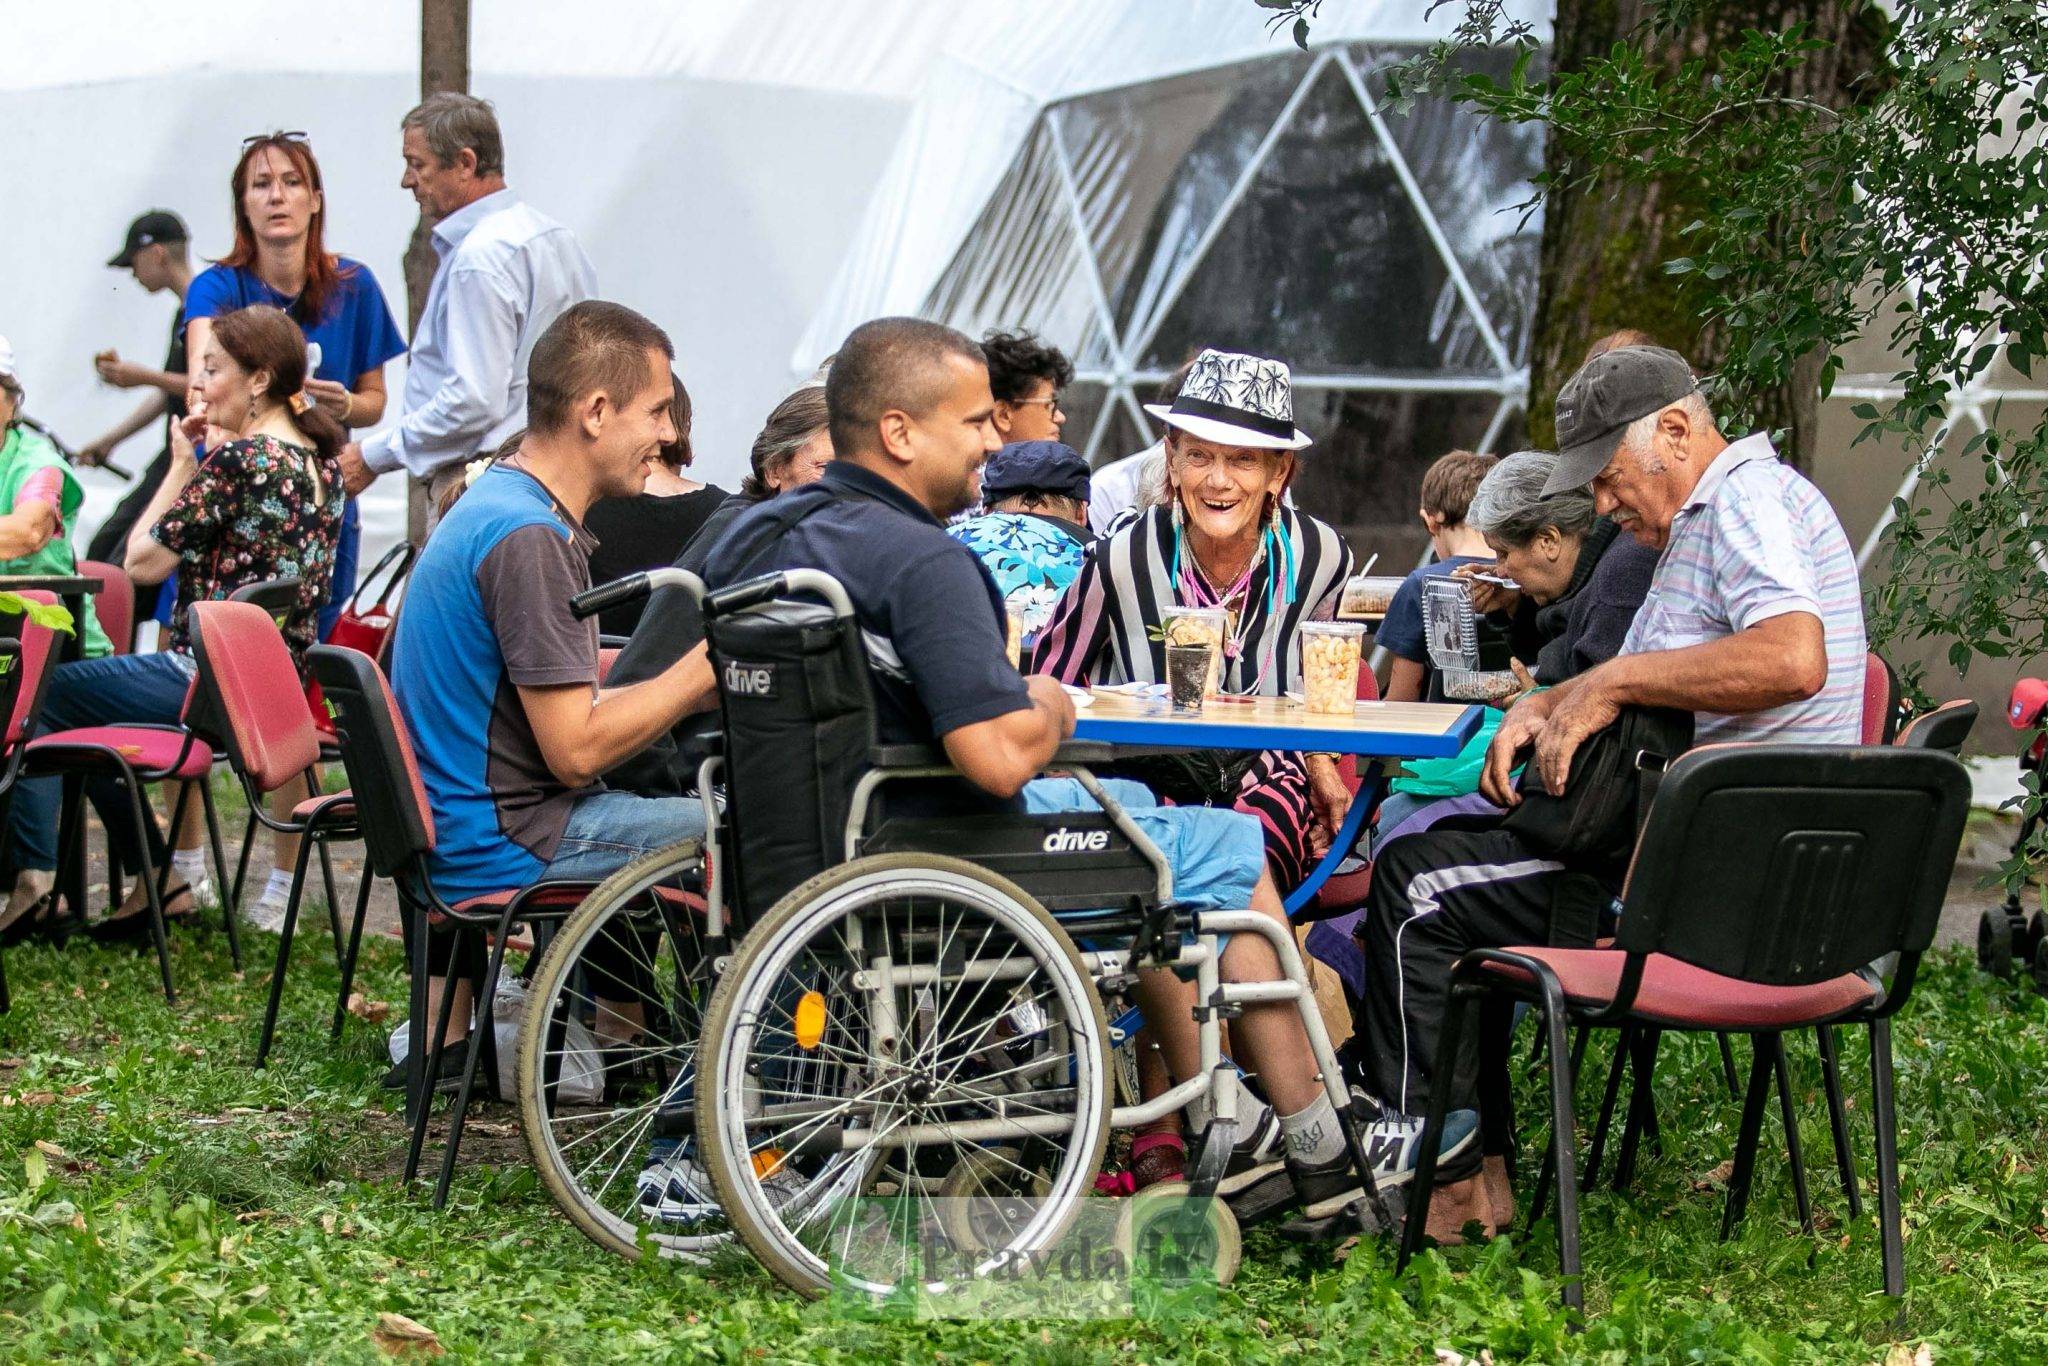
point(757, 176)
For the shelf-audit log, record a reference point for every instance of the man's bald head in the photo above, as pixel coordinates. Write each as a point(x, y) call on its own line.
point(890, 364)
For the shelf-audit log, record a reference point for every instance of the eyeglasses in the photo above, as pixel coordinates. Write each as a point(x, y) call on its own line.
point(297, 135)
point(1051, 404)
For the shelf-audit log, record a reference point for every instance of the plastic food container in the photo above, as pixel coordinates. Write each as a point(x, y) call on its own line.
point(1368, 595)
point(1199, 626)
point(1477, 685)
point(1329, 666)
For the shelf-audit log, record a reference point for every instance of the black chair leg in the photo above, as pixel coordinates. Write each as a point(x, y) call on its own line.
point(152, 885)
point(1421, 1185)
point(1564, 1146)
point(1548, 1172)
point(430, 1068)
point(220, 871)
point(242, 860)
point(1642, 1109)
point(485, 1028)
point(1607, 1098)
point(1745, 1143)
point(1795, 1154)
point(1838, 1118)
point(1728, 1067)
point(284, 956)
point(1887, 1158)
point(348, 955)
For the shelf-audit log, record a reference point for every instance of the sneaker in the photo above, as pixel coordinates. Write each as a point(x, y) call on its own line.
point(1393, 1143)
point(267, 916)
point(1255, 1182)
point(672, 1187)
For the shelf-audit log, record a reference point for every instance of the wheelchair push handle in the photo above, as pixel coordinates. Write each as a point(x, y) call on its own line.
point(632, 588)
point(769, 587)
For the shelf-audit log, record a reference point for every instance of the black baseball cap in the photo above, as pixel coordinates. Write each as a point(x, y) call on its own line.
point(158, 225)
point(1596, 405)
point(1035, 467)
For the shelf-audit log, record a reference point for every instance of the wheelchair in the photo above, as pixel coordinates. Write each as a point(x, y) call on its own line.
point(875, 1003)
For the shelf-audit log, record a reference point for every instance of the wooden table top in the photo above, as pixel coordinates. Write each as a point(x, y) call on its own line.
point(1389, 730)
point(50, 583)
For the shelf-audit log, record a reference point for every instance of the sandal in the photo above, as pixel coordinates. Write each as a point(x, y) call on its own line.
point(133, 928)
point(33, 922)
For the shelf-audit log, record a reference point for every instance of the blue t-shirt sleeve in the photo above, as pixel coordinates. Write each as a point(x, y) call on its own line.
point(1401, 633)
point(943, 626)
point(370, 334)
point(213, 291)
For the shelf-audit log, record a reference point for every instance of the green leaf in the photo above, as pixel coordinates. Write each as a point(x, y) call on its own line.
point(51, 616)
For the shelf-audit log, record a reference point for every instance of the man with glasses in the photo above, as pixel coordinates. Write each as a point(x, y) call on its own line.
point(1026, 377)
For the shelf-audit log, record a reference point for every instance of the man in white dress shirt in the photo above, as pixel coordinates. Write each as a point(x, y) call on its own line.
point(506, 272)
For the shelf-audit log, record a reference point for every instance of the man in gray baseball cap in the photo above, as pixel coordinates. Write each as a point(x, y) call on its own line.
point(1596, 406)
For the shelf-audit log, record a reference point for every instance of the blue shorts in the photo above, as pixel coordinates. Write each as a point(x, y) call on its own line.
point(1216, 855)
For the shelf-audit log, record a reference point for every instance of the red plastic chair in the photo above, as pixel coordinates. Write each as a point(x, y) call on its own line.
point(397, 826)
point(137, 755)
point(114, 604)
point(251, 701)
point(1766, 879)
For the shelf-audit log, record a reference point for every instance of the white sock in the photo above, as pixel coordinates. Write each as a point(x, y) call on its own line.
point(1251, 1113)
point(279, 889)
point(1313, 1134)
point(189, 864)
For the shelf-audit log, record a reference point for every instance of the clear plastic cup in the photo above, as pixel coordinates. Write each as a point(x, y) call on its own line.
point(1330, 653)
point(1187, 673)
point(1199, 626)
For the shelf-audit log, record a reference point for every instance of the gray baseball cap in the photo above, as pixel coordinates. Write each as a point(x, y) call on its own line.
point(1596, 405)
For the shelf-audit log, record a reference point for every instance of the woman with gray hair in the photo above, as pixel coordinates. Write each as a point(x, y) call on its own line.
point(1579, 580)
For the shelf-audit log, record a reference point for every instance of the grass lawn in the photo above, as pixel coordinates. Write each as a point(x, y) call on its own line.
point(159, 1199)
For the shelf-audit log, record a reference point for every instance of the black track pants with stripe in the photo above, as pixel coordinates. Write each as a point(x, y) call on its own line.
point(1434, 896)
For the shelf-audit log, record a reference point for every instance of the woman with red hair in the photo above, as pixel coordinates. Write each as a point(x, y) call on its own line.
point(280, 258)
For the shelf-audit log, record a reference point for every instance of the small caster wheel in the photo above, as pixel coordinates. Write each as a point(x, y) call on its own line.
point(2000, 932)
point(2036, 931)
point(988, 1197)
point(2040, 968)
point(1173, 1242)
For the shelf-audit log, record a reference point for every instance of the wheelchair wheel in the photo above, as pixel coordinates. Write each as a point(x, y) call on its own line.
point(607, 1061)
point(885, 1023)
point(1172, 1242)
point(2039, 968)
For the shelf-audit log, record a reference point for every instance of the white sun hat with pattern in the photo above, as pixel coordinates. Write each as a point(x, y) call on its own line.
point(1236, 399)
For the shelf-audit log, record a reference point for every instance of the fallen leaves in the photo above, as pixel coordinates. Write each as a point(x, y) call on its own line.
point(396, 1335)
point(363, 1008)
point(1717, 1178)
point(1899, 1354)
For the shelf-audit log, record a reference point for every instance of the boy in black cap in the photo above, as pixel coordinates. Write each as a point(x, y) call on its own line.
point(1033, 538)
point(156, 253)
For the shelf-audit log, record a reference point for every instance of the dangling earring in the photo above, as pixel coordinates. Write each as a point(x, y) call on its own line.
point(1174, 494)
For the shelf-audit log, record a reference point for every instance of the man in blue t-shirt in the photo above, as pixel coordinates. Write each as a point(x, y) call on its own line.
point(1447, 489)
point(497, 681)
point(911, 420)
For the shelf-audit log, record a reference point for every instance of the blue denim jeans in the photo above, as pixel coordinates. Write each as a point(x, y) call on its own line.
point(111, 691)
point(608, 830)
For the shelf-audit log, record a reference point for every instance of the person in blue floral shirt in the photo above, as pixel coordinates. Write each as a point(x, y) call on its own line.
point(1034, 537)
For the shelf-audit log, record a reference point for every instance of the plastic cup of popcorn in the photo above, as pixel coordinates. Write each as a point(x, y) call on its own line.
point(1329, 666)
point(1199, 626)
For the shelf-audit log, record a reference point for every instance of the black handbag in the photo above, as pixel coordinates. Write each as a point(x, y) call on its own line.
point(1594, 824)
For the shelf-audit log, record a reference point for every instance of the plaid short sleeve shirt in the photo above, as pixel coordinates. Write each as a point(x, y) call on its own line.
point(1755, 541)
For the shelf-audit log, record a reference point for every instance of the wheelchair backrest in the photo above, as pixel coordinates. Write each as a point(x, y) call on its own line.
point(798, 715)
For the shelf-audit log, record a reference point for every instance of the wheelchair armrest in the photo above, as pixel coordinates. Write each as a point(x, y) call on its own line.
point(908, 756)
point(1085, 752)
point(704, 744)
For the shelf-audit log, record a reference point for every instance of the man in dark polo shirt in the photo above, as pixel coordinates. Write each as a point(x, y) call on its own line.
point(497, 682)
point(911, 418)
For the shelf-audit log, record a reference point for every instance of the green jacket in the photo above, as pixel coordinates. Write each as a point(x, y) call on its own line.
point(21, 454)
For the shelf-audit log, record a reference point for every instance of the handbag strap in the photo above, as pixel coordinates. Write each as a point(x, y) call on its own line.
point(398, 560)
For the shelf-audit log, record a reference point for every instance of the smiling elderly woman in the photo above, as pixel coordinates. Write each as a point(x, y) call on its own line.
point(1581, 580)
point(1227, 539)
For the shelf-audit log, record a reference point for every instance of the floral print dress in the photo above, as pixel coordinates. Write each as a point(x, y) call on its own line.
point(255, 512)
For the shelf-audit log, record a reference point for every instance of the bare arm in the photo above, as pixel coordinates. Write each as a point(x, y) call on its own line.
point(1003, 753)
point(583, 735)
point(362, 406)
point(149, 410)
point(27, 529)
point(1404, 680)
point(147, 560)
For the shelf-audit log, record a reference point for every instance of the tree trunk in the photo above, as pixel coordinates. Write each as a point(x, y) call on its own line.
point(444, 65)
point(1605, 242)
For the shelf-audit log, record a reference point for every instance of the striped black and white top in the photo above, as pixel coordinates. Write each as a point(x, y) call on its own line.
point(1099, 632)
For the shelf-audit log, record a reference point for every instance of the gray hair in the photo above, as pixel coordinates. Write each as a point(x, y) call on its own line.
point(1509, 505)
point(451, 122)
point(1639, 432)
